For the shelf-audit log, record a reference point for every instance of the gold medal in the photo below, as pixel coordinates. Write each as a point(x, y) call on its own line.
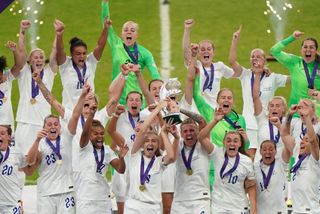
point(33, 101)
point(4, 99)
point(189, 172)
point(142, 187)
point(59, 162)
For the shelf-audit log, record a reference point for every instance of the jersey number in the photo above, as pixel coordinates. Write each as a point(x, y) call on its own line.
point(16, 210)
point(233, 179)
point(7, 170)
point(70, 202)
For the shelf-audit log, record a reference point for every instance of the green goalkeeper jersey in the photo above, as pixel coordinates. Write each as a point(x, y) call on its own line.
point(299, 82)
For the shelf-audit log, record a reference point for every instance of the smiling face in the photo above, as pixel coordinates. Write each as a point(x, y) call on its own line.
point(206, 52)
point(5, 138)
point(189, 133)
point(79, 55)
point(52, 125)
point(37, 59)
point(257, 59)
point(97, 136)
point(151, 144)
point(276, 108)
point(309, 50)
point(232, 142)
point(90, 101)
point(129, 33)
point(225, 100)
point(268, 152)
point(134, 101)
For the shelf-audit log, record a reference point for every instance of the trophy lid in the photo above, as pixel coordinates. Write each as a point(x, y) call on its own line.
point(171, 88)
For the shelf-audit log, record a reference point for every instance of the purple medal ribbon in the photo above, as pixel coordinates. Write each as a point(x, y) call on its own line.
point(267, 178)
point(3, 159)
point(82, 120)
point(1, 97)
point(252, 81)
point(55, 149)
point(34, 85)
point(96, 157)
point(80, 76)
point(272, 137)
point(144, 174)
point(313, 75)
point(235, 125)
point(303, 131)
point(224, 166)
point(208, 83)
point(186, 162)
point(134, 57)
point(295, 168)
point(132, 120)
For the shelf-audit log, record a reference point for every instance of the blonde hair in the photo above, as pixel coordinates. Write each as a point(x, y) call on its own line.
point(284, 102)
point(35, 50)
point(207, 40)
point(135, 25)
point(265, 68)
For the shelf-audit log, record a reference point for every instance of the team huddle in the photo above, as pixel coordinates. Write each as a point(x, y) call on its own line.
point(169, 153)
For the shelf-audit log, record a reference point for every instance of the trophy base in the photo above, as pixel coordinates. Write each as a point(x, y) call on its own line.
point(173, 116)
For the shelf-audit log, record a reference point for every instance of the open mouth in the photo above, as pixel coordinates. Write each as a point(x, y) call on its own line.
point(129, 38)
point(134, 107)
point(38, 65)
point(53, 131)
point(308, 55)
point(149, 149)
point(274, 113)
point(232, 149)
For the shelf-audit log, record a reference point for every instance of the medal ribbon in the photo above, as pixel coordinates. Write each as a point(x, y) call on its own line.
point(225, 163)
point(132, 120)
point(134, 57)
point(82, 120)
point(208, 83)
point(80, 76)
point(252, 81)
point(55, 149)
point(186, 162)
point(233, 124)
point(272, 137)
point(144, 174)
point(313, 75)
point(267, 178)
point(303, 131)
point(295, 168)
point(1, 97)
point(3, 159)
point(96, 157)
point(34, 85)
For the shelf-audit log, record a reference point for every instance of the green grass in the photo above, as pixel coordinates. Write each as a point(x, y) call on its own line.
point(214, 19)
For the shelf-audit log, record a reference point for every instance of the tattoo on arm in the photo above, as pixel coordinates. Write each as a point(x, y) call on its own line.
point(289, 118)
point(196, 117)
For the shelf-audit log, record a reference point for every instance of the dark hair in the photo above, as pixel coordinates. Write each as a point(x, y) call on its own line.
point(76, 42)
point(268, 141)
point(3, 63)
point(152, 81)
point(97, 123)
point(316, 44)
point(9, 129)
point(133, 92)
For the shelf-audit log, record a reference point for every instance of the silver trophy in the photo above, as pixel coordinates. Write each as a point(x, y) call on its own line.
point(172, 90)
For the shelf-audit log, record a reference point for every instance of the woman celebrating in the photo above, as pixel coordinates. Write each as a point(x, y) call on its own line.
point(304, 70)
point(234, 176)
point(146, 166)
point(269, 82)
point(79, 67)
point(126, 49)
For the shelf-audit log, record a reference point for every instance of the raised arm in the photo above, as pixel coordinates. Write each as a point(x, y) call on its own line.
point(171, 149)
point(53, 56)
point(48, 95)
point(186, 41)
point(112, 127)
point(192, 70)
point(117, 85)
point(24, 26)
point(97, 52)
point(73, 122)
point(256, 95)
point(61, 55)
point(149, 98)
point(34, 153)
point(18, 59)
point(312, 136)
point(144, 126)
point(85, 135)
point(233, 53)
point(119, 164)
